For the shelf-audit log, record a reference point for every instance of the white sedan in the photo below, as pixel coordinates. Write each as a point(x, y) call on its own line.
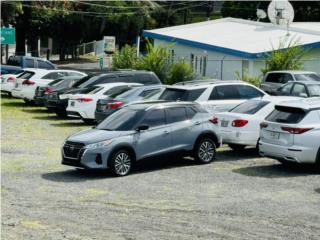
point(31, 78)
point(241, 125)
point(83, 104)
point(8, 81)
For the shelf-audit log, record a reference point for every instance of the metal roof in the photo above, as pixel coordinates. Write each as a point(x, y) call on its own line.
point(238, 37)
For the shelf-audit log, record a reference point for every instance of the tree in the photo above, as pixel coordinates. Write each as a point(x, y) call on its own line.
point(126, 58)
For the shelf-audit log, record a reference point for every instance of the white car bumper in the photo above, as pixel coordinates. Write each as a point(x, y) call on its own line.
point(239, 137)
point(299, 154)
point(7, 87)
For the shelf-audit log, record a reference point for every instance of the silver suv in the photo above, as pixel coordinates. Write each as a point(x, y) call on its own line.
point(141, 131)
point(276, 79)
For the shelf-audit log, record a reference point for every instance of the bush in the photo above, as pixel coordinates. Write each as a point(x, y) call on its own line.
point(155, 60)
point(285, 57)
point(180, 71)
point(249, 79)
point(126, 58)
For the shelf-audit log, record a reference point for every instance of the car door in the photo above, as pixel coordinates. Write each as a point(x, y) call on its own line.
point(299, 90)
point(156, 139)
point(285, 90)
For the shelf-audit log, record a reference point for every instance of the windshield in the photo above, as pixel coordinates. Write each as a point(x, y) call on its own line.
point(91, 90)
point(314, 90)
point(55, 82)
point(249, 107)
point(128, 93)
point(123, 120)
point(154, 95)
point(307, 77)
point(14, 61)
point(83, 80)
point(171, 94)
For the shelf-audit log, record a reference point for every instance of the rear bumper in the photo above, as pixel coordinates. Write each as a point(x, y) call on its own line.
point(299, 154)
point(56, 104)
point(39, 100)
point(73, 114)
point(239, 137)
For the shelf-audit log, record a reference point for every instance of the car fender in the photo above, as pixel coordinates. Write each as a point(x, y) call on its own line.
point(210, 134)
point(119, 146)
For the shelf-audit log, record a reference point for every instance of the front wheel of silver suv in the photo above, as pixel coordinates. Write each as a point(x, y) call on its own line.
point(121, 163)
point(204, 150)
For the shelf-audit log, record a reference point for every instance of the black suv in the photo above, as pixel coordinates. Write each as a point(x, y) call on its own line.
point(54, 103)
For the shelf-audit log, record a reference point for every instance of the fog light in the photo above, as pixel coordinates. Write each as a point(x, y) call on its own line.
point(98, 159)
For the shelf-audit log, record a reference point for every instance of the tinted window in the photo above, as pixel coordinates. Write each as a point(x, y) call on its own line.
point(146, 78)
point(298, 89)
point(14, 61)
point(177, 114)
point(105, 79)
point(126, 78)
point(43, 64)
point(247, 92)
point(224, 93)
point(85, 81)
point(286, 115)
point(53, 75)
point(286, 89)
point(314, 90)
point(113, 92)
point(279, 77)
point(154, 118)
point(129, 93)
point(249, 107)
point(171, 94)
point(191, 112)
point(123, 120)
point(29, 63)
point(90, 90)
point(75, 74)
point(148, 92)
point(26, 75)
point(55, 82)
point(307, 77)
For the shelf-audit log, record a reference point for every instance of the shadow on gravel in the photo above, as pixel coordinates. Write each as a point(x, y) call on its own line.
point(5, 96)
point(54, 117)
point(231, 155)
point(36, 110)
point(14, 104)
point(144, 166)
point(278, 171)
point(72, 124)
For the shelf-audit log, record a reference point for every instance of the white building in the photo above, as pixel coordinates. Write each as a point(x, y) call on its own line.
point(220, 48)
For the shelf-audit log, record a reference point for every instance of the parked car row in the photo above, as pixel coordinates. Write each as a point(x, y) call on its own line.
point(140, 118)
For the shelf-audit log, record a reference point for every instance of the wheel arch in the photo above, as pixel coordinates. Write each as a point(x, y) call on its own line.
point(127, 147)
point(211, 135)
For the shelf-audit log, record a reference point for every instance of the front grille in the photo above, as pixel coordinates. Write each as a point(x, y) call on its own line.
point(73, 150)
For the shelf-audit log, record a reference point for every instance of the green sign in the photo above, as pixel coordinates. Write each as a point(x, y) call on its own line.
point(8, 35)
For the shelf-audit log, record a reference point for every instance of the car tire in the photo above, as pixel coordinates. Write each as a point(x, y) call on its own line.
point(204, 150)
point(88, 121)
point(317, 163)
point(237, 147)
point(29, 102)
point(61, 113)
point(121, 163)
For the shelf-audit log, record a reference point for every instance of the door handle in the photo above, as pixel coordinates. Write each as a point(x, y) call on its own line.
point(197, 123)
point(166, 132)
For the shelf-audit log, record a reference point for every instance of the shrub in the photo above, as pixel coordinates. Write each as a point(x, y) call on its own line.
point(249, 79)
point(285, 57)
point(126, 58)
point(180, 71)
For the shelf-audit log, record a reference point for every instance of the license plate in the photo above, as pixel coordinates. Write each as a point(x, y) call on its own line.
point(224, 123)
point(274, 135)
point(72, 104)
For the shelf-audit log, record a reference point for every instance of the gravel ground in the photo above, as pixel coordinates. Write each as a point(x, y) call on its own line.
point(239, 196)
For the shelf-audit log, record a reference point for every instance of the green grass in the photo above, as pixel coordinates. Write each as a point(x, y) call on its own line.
point(31, 137)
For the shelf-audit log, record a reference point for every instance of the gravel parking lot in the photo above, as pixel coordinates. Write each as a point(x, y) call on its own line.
point(239, 196)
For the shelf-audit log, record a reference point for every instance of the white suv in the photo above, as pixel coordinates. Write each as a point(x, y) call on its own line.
point(292, 132)
point(213, 95)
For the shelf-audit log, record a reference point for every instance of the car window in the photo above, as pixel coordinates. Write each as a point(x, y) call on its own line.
point(250, 107)
point(279, 77)
point(29, 63)
point(191, 112)
point(286, 89)
point(224, 93)
point(56, 82)
point(44, 65)
point(176, 114)
point(307, 77)
point(126, 78)
point(53, 75)
point(74, 74)
point(123, 120)
point(83, 82)
point(91, 90)
point(26, 75)
point(105, 79)
point(14, 61)
point(154, 118)
point(283, 114)
point(247, 92)
point(286, 78)
point(298, 89)
point(146, 78)
point(115, 91)
point(148, 92)
point(314, 90)
point(175, 94)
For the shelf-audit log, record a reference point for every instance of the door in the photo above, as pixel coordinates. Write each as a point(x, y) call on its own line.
point(156, 139)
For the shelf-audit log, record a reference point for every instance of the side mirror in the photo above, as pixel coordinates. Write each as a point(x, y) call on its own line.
point(142, 128)
point(304, 95)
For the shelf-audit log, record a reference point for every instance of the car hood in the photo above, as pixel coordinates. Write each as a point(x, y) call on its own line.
point(96, 135)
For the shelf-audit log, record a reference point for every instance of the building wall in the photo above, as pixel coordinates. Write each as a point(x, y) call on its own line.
point(224, 66)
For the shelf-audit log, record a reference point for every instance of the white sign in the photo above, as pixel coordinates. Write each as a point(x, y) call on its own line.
point(109, 44)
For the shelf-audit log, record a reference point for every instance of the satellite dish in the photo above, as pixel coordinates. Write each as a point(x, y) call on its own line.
point(261, 14)
point(280, 12)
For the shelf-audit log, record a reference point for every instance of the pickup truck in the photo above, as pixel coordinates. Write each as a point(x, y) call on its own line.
point(16, 63)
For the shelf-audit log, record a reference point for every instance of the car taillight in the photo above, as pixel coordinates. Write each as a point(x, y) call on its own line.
point(28, 82)
point(293, 130)
point(263, 125)
point(11, 79)
point(214, 120)
point(239, 123)
point(48, 90)
point(115, 104)
point(84, 99)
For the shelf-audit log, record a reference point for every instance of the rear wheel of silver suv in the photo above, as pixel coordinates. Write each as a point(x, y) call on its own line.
point(204, 150)
point(121, 163)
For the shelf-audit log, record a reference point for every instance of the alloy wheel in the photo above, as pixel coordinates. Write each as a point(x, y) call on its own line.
point(206, 151)
point(122, 164)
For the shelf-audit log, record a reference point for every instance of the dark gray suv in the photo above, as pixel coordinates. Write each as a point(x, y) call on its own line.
point(140, 131)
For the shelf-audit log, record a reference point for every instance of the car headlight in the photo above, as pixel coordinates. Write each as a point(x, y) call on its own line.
point(99, 144)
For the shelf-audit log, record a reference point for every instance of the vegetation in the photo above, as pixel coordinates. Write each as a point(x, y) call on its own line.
point(247, 78)
point(287, 56)
point(125, 58)
point(180, 71)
